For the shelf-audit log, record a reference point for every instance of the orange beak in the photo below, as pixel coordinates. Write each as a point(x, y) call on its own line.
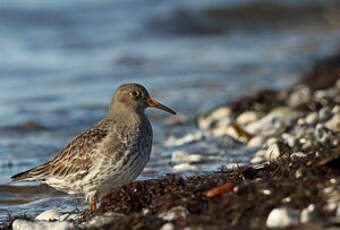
point(152, 103)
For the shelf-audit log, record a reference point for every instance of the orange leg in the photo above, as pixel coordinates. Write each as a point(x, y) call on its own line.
point(92, 204)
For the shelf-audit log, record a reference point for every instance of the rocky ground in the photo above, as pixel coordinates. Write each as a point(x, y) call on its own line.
point(293, 182)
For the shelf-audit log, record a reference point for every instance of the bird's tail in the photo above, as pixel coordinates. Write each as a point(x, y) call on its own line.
point(38, 173)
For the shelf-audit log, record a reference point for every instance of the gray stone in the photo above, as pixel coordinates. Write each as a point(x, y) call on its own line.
point(320, 94)
point(325, 114)
point(282, 218)
point(299, 96)
point(322, 134)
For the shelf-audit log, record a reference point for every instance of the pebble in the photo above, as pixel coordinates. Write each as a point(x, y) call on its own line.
point(174, 213)
point(41, 225)
point(191, 137)
point(319, 94)
point(70, 216)
point(322, 134)
point(282, 218)
point(273, 152)
point(274, 122)
point(259, 156)
point(186, 157)
point(98, 221)
point(299, 155)
point(336, 109)
point(185, 167)
point(337, 84)
point(299, 96)
point(312, 118)
point(334, 123)
point(168, 226)
point(256, 141)
point(207, 120)
point(247, 117)
point(48, 215)
point(310, 214)
point(325, 114)
point(290, 139)
point(271, 141)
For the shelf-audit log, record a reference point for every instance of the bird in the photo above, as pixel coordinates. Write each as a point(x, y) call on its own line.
point(110, 154)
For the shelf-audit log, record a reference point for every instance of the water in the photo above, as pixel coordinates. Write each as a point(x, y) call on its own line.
point(60, 63)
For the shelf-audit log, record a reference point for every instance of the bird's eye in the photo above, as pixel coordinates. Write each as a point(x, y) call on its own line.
point(134, 93)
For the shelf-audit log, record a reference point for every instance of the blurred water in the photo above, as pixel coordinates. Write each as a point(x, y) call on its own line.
point(60, 63)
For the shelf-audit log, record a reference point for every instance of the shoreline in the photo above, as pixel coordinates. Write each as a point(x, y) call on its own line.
point(296, 132)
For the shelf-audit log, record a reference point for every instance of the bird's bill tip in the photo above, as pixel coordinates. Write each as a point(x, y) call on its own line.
point(155, 104)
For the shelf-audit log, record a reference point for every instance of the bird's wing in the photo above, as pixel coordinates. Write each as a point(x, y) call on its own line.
point(74, 157)
point(83, 152)
point(78, 155)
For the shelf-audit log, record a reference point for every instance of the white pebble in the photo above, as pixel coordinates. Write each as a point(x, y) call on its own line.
point(259, 156)
point(266, 192)
point(290, 139)
point(174, 213)
point(168, 226)
point(191, 137)
point(205, 121)
point(282, 218)
point(48, 215)
point(98, 221)
point(336, 109)
point(185, 167)
point(298, 155)
point(273, 152)
point(334, 123)
point(247, 117)
point(271, 140)
point(41, 225)
point(256, 141)
point(312, 118)
point(185, 156)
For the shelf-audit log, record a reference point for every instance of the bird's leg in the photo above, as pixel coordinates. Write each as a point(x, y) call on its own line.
point(92, 203)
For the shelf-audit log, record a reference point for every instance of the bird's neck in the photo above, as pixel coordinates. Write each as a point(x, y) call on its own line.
point(126, 114)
